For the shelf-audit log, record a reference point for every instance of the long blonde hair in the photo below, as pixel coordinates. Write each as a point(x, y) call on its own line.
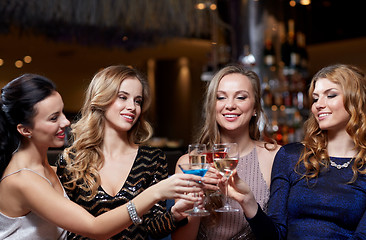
point(353, 84)
point(84, 158)
point(210, 132)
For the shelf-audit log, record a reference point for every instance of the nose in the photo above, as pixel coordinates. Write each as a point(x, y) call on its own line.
point(230, 104)
point(131, 105)
point(320, 103)
point(64, 121)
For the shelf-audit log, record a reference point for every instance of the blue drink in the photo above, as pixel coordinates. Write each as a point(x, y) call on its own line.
point(199, 172)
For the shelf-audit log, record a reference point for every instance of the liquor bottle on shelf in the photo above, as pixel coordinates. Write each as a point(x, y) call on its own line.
point(303, 54)
point(269, 54)
point(267, 93)
point(247, 58)
point(289, 51)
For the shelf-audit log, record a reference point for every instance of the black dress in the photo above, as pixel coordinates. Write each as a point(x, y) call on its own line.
point(150, 167)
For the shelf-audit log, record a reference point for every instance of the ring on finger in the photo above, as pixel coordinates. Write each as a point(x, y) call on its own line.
point(188, 183)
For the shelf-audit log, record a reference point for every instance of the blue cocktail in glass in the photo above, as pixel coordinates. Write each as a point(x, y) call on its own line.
point(198, 169)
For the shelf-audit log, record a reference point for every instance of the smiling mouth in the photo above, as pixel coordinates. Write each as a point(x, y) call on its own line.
point(231, 115)
point(323, 115)
point(131, 118)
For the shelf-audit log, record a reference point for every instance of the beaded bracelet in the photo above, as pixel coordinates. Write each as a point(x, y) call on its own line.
point(133, 214)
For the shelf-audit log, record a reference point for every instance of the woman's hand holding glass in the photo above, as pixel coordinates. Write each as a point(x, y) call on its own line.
point(241, 192)
point(178, 185)
point(198, 169)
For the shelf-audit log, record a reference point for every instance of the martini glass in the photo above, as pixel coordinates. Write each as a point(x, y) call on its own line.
point(226, 158)
point(198, 169)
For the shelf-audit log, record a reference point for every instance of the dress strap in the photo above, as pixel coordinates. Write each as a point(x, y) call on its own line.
point(27, 169)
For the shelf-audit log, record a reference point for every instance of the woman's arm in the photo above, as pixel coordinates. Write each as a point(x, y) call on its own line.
point(38, 196)
point(159, 221)
point(275, 222)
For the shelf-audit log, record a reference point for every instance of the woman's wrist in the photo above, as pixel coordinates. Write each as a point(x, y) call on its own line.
point(250, 207)
point(177, 216)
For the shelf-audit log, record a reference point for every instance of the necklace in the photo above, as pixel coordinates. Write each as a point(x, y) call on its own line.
point(339, 166)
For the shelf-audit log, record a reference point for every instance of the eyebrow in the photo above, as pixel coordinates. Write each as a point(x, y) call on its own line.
point(326, 91)
point(126, 93)
point(240, 91)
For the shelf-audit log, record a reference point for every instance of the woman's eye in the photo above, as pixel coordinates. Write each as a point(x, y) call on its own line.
point(315, 99)
point(122, 97)
point(332, 95)
point(242, 97)
point(220, 98)
point(54, 118)
point(138, 102)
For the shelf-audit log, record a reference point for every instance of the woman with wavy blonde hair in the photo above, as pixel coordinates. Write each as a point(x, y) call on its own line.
point(33, 203)
point(318, 188)
point(233, 113)
point(107, 165)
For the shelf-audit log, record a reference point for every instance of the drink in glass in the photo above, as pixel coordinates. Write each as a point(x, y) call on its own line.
point(198, 169)
point(226, 158)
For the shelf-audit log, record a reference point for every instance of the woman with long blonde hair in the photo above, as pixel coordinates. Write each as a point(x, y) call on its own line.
point(318, 188)
point(232, 113)
point(107, 164)
point(33, 203)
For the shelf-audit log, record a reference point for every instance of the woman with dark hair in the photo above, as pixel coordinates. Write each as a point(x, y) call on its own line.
point(318, 188)
point(33, 202)
point(232, 113)
point(108, 164)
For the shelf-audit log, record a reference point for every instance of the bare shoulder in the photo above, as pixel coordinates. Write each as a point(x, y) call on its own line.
point(267, 150)
point(25, 180)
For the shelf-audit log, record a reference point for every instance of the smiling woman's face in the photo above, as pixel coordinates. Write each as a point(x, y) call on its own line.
point(49, 123)
point(235, 102)
point(328, 107)
point(125, 110)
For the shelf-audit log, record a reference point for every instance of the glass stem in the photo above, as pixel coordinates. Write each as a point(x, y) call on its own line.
point(226, 192)
point(195, 205)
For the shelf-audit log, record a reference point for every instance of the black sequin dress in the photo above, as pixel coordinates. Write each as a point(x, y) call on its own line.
point(150, 167)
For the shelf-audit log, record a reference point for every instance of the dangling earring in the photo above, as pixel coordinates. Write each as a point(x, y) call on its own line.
point(30, 136)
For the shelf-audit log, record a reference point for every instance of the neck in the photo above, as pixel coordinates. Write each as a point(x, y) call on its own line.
point(116, 144)
point(31, 155)
point(243, 140)
point(340, 144)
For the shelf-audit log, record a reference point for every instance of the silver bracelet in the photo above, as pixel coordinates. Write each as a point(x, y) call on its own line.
point(133, 213)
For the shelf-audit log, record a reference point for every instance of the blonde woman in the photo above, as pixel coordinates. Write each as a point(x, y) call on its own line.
point(107, 165)
point(232, 112)
point(318, 188)
point(33, 203)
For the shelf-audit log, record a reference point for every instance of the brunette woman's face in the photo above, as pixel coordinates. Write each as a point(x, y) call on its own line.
point(328, 107)
point(49, 123)
point(125, 110)
point(235, 102)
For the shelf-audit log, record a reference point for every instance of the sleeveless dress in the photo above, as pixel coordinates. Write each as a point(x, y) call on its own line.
point(30, 226)
point(149, 168)
point(233, 225)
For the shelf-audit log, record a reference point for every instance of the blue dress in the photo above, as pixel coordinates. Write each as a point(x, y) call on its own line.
point(323, 208)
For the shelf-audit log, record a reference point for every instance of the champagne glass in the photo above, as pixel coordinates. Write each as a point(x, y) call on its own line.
point(197, 153)
point(226, 158)
point(209, 159)
point(198, 169)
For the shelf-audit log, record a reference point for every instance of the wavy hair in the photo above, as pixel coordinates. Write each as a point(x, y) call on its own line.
point(85, 157)
point(352, 82)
